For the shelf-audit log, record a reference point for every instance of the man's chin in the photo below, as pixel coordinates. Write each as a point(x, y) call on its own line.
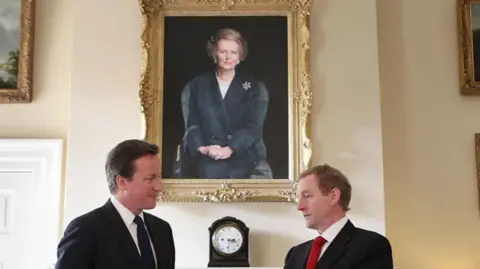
point(151, 204)
point(309, 225)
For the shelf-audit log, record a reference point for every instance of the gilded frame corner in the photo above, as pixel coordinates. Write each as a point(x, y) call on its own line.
point(300, 96)
point(23, 92)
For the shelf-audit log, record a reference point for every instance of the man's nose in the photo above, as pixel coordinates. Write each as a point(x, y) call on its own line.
point(158, 185)
point(300, 206)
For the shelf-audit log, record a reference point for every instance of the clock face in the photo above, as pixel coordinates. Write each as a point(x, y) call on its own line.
point(227, 240)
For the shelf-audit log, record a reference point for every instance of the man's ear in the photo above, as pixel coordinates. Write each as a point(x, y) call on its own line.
point(121, 182)
point(335, 196)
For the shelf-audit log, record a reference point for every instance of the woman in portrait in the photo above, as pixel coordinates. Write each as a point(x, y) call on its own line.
point(224, 112)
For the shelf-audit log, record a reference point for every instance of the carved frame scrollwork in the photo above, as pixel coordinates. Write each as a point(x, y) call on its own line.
point(300, 95)
point(23, 92)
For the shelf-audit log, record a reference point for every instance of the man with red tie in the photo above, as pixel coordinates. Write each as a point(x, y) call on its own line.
point(324, 196)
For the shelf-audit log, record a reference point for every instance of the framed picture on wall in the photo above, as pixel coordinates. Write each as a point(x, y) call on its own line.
point(226, 94)
point(477, 158)
point(16, 50)
point(469, 46)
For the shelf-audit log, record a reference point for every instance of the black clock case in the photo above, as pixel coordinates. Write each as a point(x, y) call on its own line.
point(238, 259)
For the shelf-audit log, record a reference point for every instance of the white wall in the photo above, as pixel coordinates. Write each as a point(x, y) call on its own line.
point(104, 110)
point(429, 131)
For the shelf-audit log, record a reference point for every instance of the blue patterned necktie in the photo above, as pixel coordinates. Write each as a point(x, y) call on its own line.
point(148, 262)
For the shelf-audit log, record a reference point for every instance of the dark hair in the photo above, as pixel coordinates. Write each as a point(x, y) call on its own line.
point(329, 178)
point(227, 34)
point(121, 160)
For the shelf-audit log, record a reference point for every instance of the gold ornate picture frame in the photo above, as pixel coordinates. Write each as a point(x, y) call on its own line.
point(16, 58)
point(469, 46)
point(175, 33)
point(477, 159)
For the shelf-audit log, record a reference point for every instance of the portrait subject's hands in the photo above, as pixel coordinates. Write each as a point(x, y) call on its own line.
point(220, 153)
point(205, 150)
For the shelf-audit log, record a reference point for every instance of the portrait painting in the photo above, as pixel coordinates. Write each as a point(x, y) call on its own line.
point(16, 45)
point(232, 122)
point(230, 99)
point(469, 46)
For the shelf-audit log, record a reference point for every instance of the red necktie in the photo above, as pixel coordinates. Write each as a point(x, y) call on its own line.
point(315, 252)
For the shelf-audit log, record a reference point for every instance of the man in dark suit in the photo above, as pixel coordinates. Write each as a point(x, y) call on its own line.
point(119, 234)
point(324, 197)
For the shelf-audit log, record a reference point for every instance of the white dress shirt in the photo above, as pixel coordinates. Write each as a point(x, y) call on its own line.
point(331, 232)
point(128, 217)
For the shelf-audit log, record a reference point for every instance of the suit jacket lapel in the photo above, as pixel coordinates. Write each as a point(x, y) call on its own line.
point(218, 103)
point(156, 238)
point(237, 89)
point(306, 253)
point(120, 231)
point(337, 247)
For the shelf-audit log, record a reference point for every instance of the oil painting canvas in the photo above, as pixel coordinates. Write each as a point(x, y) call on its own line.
point(16, 50)
point(225, 98)
point(476, 39)
point(469, 46)
point(477, 160)
point(10, 12)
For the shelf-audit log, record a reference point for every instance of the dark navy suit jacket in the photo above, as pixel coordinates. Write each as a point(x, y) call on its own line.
point(352, 248)
point(100, 239)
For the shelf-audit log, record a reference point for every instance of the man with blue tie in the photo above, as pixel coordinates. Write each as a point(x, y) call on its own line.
point(120, 234)
point(324, 195)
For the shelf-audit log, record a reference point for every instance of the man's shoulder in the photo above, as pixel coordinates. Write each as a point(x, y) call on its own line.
point(89, 220)
point(300, 248)
point(369, 235)
point(304, 244)
point(363, 238)
point(157, 220)
point(376, 248)
point(296, 252)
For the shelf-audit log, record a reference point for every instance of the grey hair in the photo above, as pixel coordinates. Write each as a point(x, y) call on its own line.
point(227, 34)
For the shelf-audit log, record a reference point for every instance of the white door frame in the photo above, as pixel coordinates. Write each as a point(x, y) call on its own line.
point(45, 156)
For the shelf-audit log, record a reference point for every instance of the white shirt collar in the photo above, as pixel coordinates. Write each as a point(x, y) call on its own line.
point(331, 232)
point(124, 212)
